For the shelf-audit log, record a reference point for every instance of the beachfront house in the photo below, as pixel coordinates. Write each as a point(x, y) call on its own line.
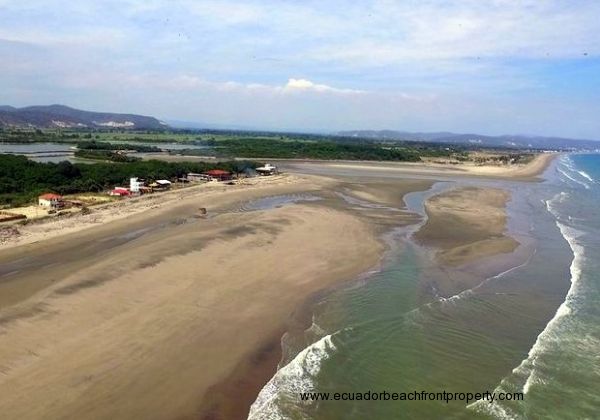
point(163, 183)
point(195, 177)
point(51, 200)
point(218, 174)
point(135, 184)
point(268, 169)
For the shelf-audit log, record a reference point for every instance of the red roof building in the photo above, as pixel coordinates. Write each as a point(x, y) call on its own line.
point(50, 196)
point(120, 191)
point(50, 200)
point(219, 174)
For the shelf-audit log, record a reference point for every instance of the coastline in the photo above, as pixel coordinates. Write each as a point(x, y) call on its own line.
point(109, 212)
point(527, 172)
point(337, 231)
point(103, 214)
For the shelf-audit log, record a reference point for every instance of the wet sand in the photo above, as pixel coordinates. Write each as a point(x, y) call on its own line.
point(466, 235)
point(525, 172)
point(466, 224)
point(141, 317)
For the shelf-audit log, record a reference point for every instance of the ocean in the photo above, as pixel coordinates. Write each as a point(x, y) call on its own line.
point(532, 327)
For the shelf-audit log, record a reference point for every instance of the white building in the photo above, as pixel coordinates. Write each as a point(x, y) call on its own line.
point(135, 184)
point(268, 169)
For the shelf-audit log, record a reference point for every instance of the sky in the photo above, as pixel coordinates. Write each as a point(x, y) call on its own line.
point(483, 66)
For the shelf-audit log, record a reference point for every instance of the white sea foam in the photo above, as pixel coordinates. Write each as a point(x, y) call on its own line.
point(568, 163)
point(316, 329)
point(295, 377)
point(573, 179)
point(549, 333)
point(557, 199)
point(470, 292)
point(494, 409)
point(586, 176)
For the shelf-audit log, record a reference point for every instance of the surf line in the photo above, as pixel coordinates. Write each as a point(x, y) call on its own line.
point(528, 365)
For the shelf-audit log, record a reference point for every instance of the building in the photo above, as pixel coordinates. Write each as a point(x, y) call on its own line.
point(163, 183)
point(51, 200)
point(268, 169)
point(160, 185)
point(194, 177)
point(218, 174)
point(135, 184)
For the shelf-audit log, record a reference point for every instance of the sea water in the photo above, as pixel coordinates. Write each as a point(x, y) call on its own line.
point(533, 328)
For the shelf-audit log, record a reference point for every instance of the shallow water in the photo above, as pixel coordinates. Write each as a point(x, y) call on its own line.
point(58, 152)
point(275, 201)
point(531, 328)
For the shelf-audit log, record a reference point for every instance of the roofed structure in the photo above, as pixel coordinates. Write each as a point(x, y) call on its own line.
point(219, 174)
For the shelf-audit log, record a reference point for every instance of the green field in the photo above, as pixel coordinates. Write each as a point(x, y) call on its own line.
point(235, 144)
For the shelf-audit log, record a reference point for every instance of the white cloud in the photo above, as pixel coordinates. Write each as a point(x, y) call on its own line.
point(292, 86)
point(306, 85)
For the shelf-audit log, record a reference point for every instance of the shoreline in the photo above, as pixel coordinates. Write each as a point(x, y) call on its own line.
point(222, 400)
point(245, 382)
point(499, 200)
point(93, 306)
point(244, 374)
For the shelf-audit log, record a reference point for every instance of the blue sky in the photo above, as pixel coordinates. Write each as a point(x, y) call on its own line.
point(494, 67)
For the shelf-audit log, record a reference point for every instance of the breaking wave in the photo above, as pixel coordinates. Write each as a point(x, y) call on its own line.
point(563, 310)
point(586, 176)
point(567, 169)
point(297, 376)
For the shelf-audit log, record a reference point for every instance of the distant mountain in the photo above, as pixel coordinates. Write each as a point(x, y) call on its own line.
point(514, 141)
point(60, 116)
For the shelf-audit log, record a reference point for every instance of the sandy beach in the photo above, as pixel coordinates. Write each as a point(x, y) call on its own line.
point(146, 310)
point(466, 224)
point(526, 172)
